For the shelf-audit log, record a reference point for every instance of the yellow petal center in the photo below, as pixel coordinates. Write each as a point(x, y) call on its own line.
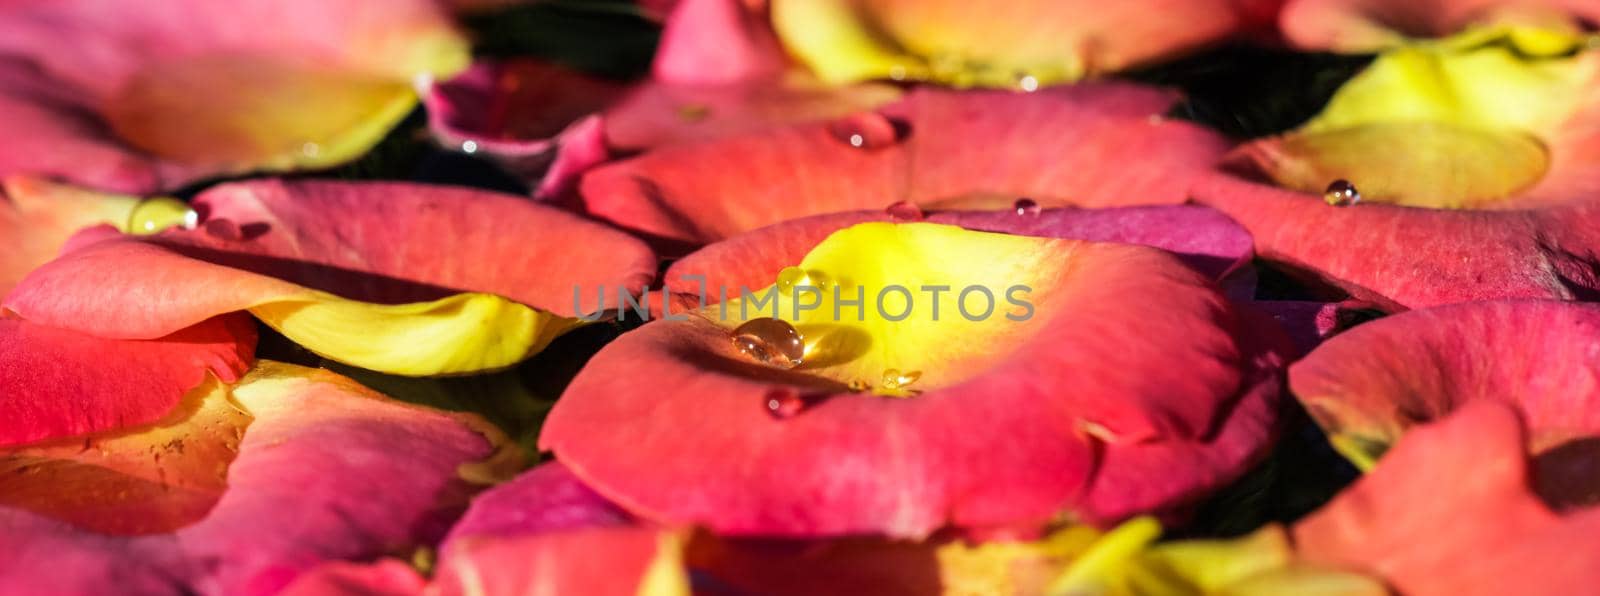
point(904, 308)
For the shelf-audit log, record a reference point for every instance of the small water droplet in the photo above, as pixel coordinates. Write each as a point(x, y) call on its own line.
point(770, 341)
point(869, 131)
point(693, 112)
point(904, 211)
point(1026, 206)
point(784, 402)
point(158, 214)
point(469, 147)
point(858, 385)
point(1027, 82)
point(310, 149)
point(897, 72)
point(893, 379)
point(1341, 193)
point(791, 277)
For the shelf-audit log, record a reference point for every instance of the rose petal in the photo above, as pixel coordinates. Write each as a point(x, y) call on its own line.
point(288, 504)
point(1369, 25)
point(954, 42)
point(920, 149)
point(169, 94)
point(60, 383)
point(853, 463)
point(38, 217)
point(1369, 386)
point(1396, 523)
point(393, 257)
point(1536, 241)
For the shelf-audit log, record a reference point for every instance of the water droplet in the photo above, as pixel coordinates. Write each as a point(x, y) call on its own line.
point(469, 147)
point(858, 385)
point(784, 402)
point(904, 211)
point(310, 149)
point(1026, 206)
point(791, 277)
point(893, 379)
point(1027, 82)
point(693, 112)
point(1341, 193)
point(897, 72)
point(869, 131)
point(770, 341)
point(155, 215)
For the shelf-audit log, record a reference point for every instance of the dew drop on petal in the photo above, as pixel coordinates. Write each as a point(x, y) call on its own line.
point(858, 385)
point(157, 214)
point(789, 277)
point(868, 130)
point(310, 149)
point(894, 379)
point(469, 147)
point(1341, 193)
point(1026, 206)
point(770, 341)
point(897, 72)
point(904, 211)
point(784, 402)
point(1027, 82)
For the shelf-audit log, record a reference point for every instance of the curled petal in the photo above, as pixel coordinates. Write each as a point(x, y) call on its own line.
point(921, 149)
point(384, 276)
point(38, 217)
point(954, 42)
point(1396, 524)
point(170, 94)
point(1370, 25)
point(905, 464)
point(297, 493)
point(1447, 227)
point(1371, 385)
point(60, 383)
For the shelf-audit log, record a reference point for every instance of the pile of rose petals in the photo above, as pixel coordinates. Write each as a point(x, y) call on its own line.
point(834, 297)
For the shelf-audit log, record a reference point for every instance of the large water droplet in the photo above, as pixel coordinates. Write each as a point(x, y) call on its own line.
point(784, 402)
point(1026, 206)
point(770, 341)
point(893, 379)
point(869, 130)
point(904, 211)
point(155, 215)
point(1341, 193)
